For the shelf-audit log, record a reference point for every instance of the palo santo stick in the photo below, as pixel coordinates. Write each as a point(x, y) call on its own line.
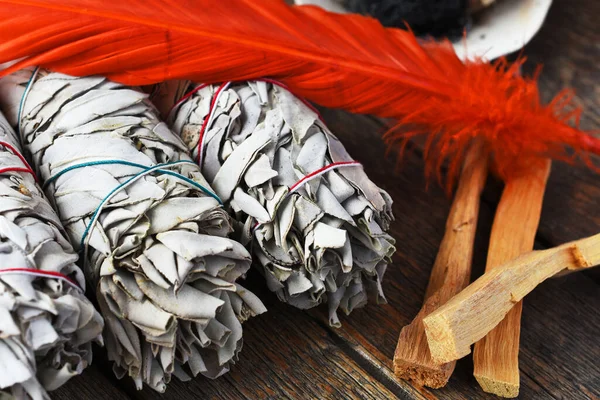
point(450, 274)
point(513, 233)
point(475, 311)
point(496, 356)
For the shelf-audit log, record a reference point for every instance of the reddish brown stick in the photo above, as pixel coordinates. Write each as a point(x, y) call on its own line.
point(496, 356)
point(450, 274)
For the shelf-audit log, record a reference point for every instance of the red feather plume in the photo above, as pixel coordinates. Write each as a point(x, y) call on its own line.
point(340, 61)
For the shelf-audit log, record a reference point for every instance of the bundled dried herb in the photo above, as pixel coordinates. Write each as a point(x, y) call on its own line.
point(153, 235)
point(46, 323)
point(316, 222)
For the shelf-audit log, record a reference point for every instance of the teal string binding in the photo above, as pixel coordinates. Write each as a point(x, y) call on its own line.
point(145, 170)
point(141, 166)
point(22, 102)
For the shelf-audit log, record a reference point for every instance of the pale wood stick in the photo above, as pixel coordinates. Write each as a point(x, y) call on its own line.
point(496, 356)
point(450, 274)
point(475, 311)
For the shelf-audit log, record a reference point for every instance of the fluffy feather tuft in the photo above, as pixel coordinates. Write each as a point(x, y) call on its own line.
point(504, 108)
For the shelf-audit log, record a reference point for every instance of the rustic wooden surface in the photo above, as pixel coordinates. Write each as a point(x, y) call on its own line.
point(293, 354)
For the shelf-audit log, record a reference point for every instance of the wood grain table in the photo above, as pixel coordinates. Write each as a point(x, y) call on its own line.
point(294, 354)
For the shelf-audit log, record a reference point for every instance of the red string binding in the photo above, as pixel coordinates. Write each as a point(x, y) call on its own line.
point(41, 273)
point(27, 167)
point(214, 101)
point(321, 171)
point(186, 96)
point(30, 271)
point(206, 121)
point(315, 174)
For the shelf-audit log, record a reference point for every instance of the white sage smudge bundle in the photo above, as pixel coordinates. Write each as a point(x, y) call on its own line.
point(316, 221)
point(153, 235)
point(47, 325)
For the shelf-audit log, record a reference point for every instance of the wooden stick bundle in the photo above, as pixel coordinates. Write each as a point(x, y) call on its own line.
point(450, 274)
point(492, 305)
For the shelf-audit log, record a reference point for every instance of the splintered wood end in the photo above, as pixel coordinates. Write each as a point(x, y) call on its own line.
point(503, 389)
point(580, 260)
point(412, 359)
point(433, 376)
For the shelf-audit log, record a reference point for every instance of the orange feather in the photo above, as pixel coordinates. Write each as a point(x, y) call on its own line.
point(340, 61)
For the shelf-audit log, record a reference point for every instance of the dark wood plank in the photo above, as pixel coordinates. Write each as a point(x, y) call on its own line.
point(559, 347)
point(97, 382)
point(292, 354)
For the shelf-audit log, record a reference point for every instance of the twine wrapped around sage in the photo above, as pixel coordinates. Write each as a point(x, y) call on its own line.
point(152, 233)
point(47, 325)
point(316, 222)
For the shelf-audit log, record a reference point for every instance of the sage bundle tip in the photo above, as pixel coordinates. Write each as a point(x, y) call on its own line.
point(152, 233)
point(47, 325)
point(316, 223)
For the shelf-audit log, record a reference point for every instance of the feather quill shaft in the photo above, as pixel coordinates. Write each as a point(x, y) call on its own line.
point(340, 61)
